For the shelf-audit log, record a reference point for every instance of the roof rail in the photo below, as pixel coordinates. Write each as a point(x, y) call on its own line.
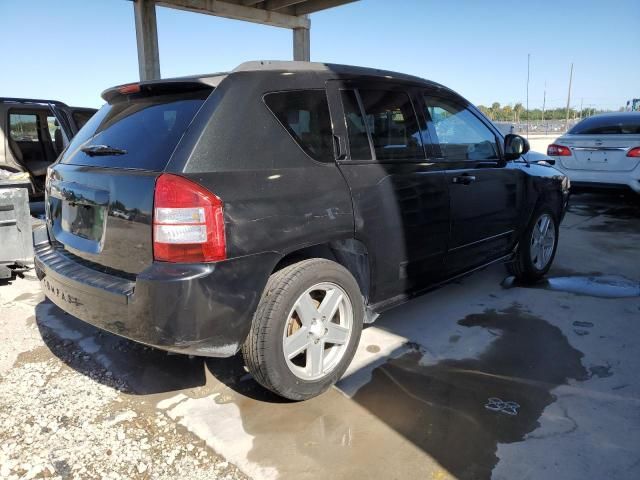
point(31, 100)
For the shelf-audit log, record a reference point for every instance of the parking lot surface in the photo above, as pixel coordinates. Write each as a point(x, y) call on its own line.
point(483, 378)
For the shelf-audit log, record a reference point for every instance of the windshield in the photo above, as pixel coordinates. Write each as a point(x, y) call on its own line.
point(146, 128)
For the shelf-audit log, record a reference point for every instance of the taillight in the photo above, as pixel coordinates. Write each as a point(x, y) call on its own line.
point(634, 152)
point(188, 222)
point(554, 150)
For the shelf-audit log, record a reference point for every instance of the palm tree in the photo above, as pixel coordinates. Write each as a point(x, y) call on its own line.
point(518, 109)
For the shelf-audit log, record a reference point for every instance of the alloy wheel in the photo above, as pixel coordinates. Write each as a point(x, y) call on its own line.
point(317, 331)
point(543, 240)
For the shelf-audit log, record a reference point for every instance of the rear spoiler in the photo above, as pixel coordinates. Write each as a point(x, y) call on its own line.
point(155, 87)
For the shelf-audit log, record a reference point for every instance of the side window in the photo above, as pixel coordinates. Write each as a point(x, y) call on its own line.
point(460, 134)
point(305, 115)
point(359, 146)
point(81, 117)
point(23, 127)
point(392, 123)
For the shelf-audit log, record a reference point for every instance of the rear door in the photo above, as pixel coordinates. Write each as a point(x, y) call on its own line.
point(100, 202)
point(400, 198)
point(486, 193)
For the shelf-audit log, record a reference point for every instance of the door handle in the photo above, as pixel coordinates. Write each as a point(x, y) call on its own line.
point(339, 147)
point(465, 179)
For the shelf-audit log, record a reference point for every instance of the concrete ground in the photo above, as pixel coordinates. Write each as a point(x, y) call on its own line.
point(483, 378)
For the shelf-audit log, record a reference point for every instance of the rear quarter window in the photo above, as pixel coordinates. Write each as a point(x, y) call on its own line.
point(304, 114)
point(148, 128)
point(608, 125)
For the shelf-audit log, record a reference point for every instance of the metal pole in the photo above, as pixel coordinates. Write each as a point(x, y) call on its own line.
point(528, 69)
point(566, 121)
point(544, 101)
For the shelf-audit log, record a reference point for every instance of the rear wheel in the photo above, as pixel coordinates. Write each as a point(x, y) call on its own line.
point(305, 330)
point(537, 247)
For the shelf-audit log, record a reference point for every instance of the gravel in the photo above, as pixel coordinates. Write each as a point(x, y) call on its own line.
point(59, 422)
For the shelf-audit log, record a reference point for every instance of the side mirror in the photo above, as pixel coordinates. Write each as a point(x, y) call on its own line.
point(515, 146)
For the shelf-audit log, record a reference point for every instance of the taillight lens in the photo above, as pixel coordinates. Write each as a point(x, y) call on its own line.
point(634, 152)
point(188, 222)
point(558, 151)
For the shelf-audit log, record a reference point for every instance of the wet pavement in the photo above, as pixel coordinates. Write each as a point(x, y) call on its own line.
point(483, 378)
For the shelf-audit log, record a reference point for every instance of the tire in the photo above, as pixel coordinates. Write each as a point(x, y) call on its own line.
point(528, 265)
point(289, 317)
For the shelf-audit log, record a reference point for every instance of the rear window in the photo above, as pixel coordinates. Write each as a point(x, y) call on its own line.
point(608, 125)
point(305, 115)
point(147, 128)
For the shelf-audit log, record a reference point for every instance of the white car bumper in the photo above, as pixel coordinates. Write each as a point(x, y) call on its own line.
point(602, 178)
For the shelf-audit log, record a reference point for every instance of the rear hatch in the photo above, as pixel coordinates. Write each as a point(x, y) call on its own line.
point(100, 193)
point(600, 152)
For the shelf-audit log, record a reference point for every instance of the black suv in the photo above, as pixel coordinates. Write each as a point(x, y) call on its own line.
point(276, 208)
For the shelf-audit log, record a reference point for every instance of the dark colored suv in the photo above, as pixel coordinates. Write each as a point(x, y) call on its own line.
point(276, 208)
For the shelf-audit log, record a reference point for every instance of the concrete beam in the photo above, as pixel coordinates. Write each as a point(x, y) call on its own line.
point(280, 4)
point(301, 44)
point(147, 39)
point(311, 6)
point(238, 12)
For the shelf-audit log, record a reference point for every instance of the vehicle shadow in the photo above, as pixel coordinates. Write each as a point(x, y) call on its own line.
point(133, 368)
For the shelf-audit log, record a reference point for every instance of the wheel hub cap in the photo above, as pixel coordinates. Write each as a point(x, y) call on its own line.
point(317, 329)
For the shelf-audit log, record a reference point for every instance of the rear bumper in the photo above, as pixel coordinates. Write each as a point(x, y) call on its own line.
point(603, 179)
point(199, 309)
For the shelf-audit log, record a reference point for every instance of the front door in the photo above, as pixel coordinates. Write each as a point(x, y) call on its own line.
point(486, 193)
point(400, 197)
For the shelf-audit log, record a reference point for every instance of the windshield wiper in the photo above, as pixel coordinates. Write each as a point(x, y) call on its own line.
point(94, 150)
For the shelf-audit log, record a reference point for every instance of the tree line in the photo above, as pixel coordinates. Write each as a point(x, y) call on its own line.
point(517, 113)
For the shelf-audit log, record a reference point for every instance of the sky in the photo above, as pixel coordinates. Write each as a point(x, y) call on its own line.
point(71, 50)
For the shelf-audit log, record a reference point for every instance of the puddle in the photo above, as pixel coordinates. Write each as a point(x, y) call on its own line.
point(623, 217)
point(441, 408)
point(602, 286)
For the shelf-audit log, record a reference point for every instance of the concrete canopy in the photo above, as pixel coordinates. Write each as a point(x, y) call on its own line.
point(292, 14)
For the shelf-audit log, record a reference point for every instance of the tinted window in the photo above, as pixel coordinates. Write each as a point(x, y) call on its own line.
point(628, 124)
point(460, 134)
point(305, 115)
point(359, 146)
point(81, 117)
point(392, 124)
point(23, 127)
point(148, 128)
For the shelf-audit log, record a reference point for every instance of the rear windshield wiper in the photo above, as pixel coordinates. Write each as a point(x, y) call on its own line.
point(94, 150)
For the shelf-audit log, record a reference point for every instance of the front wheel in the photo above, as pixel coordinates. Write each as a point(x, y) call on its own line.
point(537, 247)
point(305, 330)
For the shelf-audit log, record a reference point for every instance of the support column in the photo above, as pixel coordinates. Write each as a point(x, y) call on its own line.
point(301, 44)
point(147, 39)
